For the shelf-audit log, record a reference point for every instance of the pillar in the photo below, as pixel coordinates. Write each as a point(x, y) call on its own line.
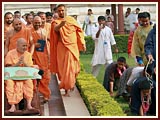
point(120, 19)
point(113, 9)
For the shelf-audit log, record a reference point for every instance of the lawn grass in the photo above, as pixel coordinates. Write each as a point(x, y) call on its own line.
point(86, 61)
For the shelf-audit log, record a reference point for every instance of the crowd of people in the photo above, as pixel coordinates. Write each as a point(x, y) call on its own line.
point(137, 83)
point(53, 42)
point(44, 35)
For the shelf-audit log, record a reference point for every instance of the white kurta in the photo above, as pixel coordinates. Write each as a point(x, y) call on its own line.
point(102, 52)
point(92, 18)
point(133, 18)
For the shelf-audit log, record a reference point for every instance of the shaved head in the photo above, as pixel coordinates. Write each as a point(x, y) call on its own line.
point(37, 22)
point(21, 40)
point(37, 18)
point(21, 45)
point(42, 15)
point(17, 24)
point(16, 20)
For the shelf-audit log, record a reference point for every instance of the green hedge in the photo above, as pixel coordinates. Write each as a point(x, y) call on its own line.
point(121, 40)
point(89, 45)
point(96, 98)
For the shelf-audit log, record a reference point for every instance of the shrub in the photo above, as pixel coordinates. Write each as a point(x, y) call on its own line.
point(122, 43)
point(96, 98)
point(89, 45)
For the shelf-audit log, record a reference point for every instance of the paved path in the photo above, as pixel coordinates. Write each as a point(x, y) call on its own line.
point(74, 104)
point(55, 106)
point(60, 105)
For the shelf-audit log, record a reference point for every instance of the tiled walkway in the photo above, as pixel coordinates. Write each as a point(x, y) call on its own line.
point(55, 106)
point(74, 104)
point(64, 106)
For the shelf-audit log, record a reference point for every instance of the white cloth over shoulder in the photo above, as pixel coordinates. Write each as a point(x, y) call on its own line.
point(136, 72)
point(23, 21)
point(102, 52)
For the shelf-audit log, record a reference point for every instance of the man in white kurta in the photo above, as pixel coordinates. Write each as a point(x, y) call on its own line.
point(103, 37)
point(90, 21)
point(133, 19)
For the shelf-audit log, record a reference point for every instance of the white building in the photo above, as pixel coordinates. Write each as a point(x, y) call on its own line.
point(81, 8)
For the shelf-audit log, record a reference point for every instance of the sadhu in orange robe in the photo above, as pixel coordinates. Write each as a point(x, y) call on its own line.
point(42, 60)
point(6, 29)
point(16, 90)
point(23, 33)
point(64, 49)
point(47, 27)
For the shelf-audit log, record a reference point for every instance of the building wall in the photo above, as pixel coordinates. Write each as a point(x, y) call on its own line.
point(81, 9)
point(100, 10)
point(26, 8)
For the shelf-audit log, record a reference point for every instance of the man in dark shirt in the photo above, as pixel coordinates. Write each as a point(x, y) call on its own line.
point(150, 45)
point(113, 73)
point(143, 94)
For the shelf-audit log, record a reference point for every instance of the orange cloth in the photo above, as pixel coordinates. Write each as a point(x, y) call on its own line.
point(6, 29)
point(42, 60)
point(29, 26)
point(23, 33)
point(64, 50)
point(16, 89)
point(47, 27)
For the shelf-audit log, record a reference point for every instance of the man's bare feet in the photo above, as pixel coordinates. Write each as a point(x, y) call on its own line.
point(12, 109)
point(72, 89)
point(46, 100)
point(29, 107)
point(66, 93)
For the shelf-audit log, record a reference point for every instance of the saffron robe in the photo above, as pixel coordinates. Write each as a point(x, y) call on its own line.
point(47, 27)
point(64, 48)
point(23, 33)
point(15, 90)
point(6, 29)
point(42, 60)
